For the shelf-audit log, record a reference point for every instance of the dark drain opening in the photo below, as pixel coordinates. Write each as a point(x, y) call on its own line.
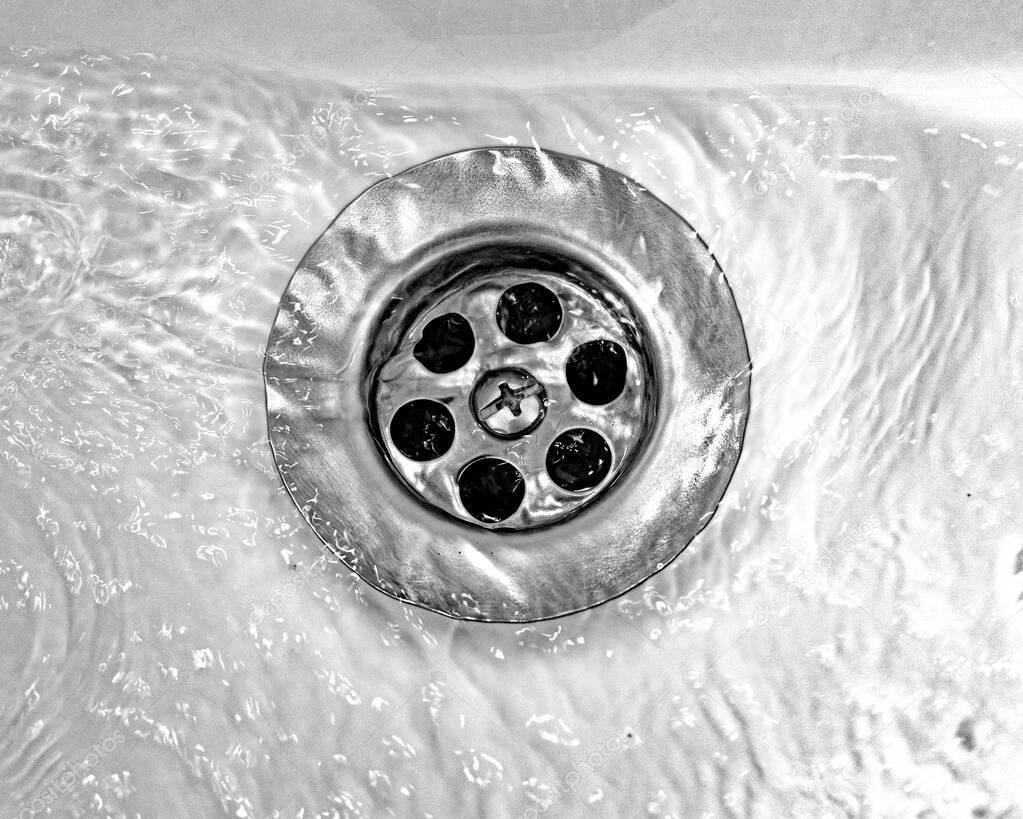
point(579, 459)
point(596, 372)
point(446, 345)
point(422, 430)
point(529, 313)
point(491, 489)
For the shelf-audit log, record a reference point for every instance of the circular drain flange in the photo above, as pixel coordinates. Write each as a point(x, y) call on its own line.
point(507, 384)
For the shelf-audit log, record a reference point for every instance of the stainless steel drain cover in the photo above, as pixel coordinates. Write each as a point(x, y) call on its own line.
point(550, 355)
point(507, 384)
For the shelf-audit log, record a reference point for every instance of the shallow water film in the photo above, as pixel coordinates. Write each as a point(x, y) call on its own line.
point(841, 640)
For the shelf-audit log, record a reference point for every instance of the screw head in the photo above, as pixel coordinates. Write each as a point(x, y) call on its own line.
point(509, 402)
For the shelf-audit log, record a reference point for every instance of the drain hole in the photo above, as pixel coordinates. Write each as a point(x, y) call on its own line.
point(596, 371)
point(491, 489)
point(528, 313)
point(446, 345)
point(422, 430)
point(578, 459)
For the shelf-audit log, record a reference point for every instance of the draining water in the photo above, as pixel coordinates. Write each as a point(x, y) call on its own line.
point(174, 640)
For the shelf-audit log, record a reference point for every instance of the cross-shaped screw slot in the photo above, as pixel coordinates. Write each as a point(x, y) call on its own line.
point(511, 398)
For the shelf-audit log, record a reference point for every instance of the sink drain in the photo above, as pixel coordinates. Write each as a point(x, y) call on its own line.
point(507, 384)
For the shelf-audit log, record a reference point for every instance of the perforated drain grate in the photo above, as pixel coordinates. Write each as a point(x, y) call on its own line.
point(552, 363)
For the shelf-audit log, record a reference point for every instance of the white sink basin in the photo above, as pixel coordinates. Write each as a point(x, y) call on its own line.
point(840, 640)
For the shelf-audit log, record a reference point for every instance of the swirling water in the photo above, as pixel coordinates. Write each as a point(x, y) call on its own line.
point(839, 641)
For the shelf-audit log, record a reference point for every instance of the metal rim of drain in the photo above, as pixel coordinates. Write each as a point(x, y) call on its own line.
point(445, 426)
